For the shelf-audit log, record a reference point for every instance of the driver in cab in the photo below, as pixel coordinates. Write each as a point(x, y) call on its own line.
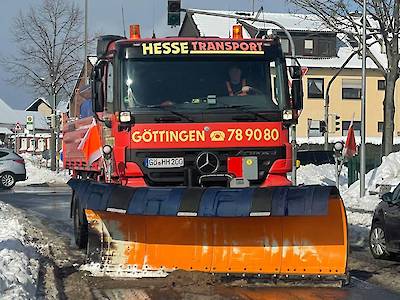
point(236, 85)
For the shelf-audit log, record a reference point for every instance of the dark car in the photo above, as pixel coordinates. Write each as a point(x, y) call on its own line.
point(384, 237)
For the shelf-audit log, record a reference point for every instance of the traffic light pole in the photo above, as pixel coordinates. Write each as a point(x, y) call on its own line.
point(326, 100)
point(363, 101)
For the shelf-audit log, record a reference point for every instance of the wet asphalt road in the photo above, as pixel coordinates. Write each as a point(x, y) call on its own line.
point(51, 204)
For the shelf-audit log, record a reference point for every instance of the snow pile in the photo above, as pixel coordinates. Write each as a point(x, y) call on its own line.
point(37, 173)
point(101, 270)
point(18, 265)
point(323, 174)
point(359, 210)
point(387, 173)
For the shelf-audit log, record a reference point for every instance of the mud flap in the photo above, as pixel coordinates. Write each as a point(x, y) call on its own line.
point(282, 231)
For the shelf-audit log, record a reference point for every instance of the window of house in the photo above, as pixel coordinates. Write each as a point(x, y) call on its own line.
point(308, 46)
point(351, 89)
point(356, 126)
point(315, 88)
point(381, 85)
point(326, 48)
point(314, 128)
point(285, 45)
point(380, 126)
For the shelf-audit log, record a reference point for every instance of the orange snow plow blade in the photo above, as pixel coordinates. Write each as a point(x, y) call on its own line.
point(304, 239)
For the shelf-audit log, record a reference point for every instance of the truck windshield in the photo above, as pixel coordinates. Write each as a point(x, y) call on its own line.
point(203, 84)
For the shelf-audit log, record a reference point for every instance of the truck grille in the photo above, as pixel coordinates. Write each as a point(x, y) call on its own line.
point(180, 176)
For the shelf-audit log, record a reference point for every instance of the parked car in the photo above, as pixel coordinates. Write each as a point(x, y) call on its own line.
point(12, 168)
point(384, 237)
point(315, 157)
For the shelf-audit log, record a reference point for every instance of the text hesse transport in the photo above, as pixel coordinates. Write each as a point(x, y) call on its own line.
point(195, 47)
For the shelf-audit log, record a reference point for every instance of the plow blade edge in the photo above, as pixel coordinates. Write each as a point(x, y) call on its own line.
point(294, 231)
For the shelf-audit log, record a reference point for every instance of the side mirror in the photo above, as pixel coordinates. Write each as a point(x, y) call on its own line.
point(297, 88)
point(388, 197)
point(98, 86)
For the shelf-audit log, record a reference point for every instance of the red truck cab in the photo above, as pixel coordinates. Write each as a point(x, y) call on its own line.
point(189, 112)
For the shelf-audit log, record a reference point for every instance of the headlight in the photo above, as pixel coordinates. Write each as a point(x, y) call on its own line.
point(287, 115)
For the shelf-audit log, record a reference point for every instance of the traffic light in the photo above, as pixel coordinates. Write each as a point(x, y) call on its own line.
point(322, 126)
point(337, 123)
point(54, 120)
point(334, 123)
point(174, 12)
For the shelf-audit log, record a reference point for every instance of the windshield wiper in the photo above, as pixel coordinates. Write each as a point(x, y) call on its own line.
point(241, 108)
point(170, 110)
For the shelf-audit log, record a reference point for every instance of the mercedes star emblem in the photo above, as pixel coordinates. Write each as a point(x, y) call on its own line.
point(207, 163)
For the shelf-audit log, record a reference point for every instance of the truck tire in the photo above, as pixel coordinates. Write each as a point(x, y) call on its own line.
point(80, 228)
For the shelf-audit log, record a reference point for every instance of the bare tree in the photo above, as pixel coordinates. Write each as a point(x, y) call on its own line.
point(383, 27)
point(49, 40)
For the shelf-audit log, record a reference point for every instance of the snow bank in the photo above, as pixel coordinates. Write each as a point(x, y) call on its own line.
point(100, 270)
point(323, 174)
point(18, 263)
point(39, 174)
point(359, 210)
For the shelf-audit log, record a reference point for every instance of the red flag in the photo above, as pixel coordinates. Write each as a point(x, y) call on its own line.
point(90, 145)
point(350, 148)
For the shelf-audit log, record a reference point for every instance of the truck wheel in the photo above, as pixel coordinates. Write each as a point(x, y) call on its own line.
point(80, 229)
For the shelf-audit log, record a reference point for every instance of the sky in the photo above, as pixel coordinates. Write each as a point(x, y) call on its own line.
point(105, 17)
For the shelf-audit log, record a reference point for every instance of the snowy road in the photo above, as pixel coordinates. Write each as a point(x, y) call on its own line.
point(49, 208)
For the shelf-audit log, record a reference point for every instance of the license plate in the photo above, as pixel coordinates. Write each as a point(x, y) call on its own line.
point(164, 162)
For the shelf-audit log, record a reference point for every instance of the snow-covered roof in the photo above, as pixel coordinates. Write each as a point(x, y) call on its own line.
point(92, 59)
point(4, 130)
point(221, 26)
point(216, 26)
point(9, 116)
point(336, 62)
point(63, 106)
point(33, 106)
point(292, 22)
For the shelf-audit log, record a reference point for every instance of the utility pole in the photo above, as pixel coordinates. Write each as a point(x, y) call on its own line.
point(53, 150)
point(57, 133)
point(86, 41)
point(363, 101)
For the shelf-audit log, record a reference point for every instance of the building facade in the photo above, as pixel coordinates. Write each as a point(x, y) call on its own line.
point(13, 132)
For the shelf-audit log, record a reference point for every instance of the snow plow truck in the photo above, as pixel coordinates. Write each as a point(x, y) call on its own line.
point(183, 165)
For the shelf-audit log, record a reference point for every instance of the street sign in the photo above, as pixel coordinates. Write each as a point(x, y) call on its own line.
point(29, 123)
point(17, 127)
